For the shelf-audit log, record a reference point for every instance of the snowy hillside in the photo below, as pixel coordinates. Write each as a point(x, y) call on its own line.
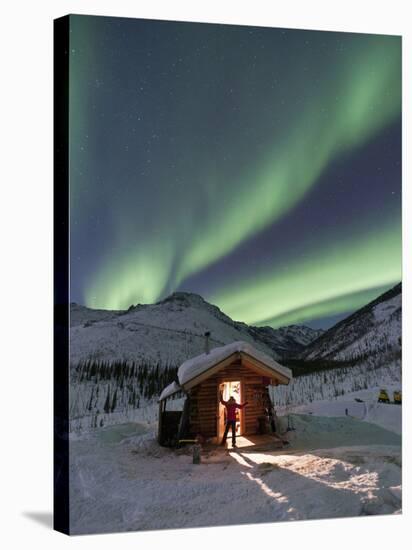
point(121, 360)
point(333, 383)
point(287, 341)
point(373, 330)
point(81, 315)
point(170, 332)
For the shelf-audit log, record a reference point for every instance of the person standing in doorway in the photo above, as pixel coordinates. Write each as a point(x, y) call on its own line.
point(231, 407)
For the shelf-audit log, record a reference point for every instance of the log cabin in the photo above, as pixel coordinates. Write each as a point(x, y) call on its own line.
point(237, 369)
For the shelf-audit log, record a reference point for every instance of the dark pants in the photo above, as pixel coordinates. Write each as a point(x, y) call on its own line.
point(232, 424)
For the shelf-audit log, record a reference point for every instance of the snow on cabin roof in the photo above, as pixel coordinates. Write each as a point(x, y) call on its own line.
point(197, 365)
point(169, 390)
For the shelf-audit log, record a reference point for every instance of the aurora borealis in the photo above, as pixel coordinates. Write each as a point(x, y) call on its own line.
point(260, 168)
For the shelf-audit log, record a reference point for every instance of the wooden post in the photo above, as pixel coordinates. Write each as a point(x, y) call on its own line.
point(184, 420)
point(159, 423)
point(272, 412)
point(196, 454)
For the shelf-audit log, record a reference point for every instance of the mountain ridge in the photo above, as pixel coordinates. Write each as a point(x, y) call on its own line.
point(374, 328)
point(172, 330)
point(178, 321)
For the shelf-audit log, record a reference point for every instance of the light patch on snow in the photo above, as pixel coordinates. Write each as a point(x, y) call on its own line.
point(121, 480)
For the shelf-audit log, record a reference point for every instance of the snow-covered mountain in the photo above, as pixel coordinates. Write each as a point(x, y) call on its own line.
point(365, 346)
point(287, 341)
point(171, 331)
point(81, 315)
point(374, 329)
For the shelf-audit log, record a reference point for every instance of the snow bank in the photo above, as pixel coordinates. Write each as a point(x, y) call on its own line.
point(362, 405)
point(148, 414)
point(388, 416)
point(124, 481)
point(320, 432)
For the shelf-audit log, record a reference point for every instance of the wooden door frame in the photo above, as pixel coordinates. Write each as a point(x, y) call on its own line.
point(218, 432)
point(241, 411)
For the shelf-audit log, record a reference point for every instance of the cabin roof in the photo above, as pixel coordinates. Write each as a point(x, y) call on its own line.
point(196, 366)
point(169, 390)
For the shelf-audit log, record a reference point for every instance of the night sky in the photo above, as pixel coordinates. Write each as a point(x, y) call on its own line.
point(260, 168)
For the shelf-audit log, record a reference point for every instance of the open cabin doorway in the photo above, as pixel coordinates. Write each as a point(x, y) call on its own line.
point(228, 389)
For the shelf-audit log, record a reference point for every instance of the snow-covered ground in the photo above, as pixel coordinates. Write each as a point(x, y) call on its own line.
point(88, 397)
point(336, 466)
point(344, 457)
point(388, 416)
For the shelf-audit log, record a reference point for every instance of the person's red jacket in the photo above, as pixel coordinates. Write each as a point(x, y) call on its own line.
point(231, 407)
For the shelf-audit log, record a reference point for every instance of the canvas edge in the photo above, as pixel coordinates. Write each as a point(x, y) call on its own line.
point(61, 38)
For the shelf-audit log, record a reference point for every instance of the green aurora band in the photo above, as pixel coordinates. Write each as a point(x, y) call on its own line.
point(350, 105)
point(326, 282)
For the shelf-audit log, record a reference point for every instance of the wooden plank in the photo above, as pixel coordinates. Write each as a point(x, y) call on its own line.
point(208, 399)
point(203, 396)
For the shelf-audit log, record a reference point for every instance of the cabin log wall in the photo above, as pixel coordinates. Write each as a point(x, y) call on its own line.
point(204, 399)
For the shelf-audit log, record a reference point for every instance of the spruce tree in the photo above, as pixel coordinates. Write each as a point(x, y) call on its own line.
point(106, 407)
point(114, 402)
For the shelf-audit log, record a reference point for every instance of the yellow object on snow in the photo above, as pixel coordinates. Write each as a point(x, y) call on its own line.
point(383, 397)
point(397, 397)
